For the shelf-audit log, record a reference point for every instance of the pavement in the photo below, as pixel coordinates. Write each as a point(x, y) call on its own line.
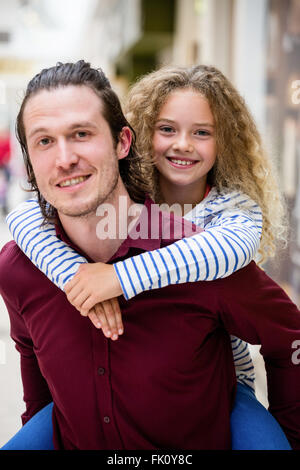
point(11, 403)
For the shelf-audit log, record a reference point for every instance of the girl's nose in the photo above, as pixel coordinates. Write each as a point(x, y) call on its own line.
point(183, 144)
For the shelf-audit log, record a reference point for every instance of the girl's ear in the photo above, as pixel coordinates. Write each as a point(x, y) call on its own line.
point(125, 139)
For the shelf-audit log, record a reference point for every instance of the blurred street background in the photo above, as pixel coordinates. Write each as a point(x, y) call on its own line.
point(256, 43)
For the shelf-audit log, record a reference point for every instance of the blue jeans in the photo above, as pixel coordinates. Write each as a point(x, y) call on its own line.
point(36, 434)
point(252, 427)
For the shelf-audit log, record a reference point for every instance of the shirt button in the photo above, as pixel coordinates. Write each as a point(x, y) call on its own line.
point(106, 419)
point(101, 371)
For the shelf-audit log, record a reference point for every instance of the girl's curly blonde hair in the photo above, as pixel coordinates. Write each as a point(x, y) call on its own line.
point(241, 164)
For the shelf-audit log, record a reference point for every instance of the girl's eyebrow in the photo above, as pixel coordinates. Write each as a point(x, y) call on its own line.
point(200, 124)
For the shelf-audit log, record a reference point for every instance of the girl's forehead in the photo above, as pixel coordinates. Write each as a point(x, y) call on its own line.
point(182, 94)
point(182, 99)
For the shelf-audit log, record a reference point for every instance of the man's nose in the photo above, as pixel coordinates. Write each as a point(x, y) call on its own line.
point(183, 143)
point(66, 156)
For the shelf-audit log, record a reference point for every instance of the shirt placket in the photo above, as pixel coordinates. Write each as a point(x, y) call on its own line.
point(102, 375)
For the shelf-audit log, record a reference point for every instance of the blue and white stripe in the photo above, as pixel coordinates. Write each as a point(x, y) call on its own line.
point(243, 364)
point(233, 226)
point(54, 258)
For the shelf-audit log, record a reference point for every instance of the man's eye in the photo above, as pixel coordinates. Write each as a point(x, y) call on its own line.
point(81, 134)
point(45, 141)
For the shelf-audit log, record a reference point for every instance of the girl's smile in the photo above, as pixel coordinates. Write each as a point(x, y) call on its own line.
point(182, 162)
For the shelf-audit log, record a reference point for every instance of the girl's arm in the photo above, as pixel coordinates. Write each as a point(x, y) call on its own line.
point(233, 225)
point(58, 261)
point(244, 368)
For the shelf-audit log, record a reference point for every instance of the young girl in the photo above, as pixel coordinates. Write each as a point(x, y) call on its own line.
point(207, 153)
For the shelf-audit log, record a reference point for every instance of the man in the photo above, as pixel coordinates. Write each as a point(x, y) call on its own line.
point(169, 381)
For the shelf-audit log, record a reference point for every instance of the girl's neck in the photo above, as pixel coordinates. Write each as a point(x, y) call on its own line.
point(184, 196)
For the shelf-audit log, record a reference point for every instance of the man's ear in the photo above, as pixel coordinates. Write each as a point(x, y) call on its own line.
point(125, 139)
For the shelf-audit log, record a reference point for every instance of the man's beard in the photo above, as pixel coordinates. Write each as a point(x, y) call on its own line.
point(88, 208)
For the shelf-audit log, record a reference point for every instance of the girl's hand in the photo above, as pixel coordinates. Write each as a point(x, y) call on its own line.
point(108, 317)
point(93, 283)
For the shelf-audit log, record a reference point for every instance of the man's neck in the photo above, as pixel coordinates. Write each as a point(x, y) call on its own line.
point(100, 234)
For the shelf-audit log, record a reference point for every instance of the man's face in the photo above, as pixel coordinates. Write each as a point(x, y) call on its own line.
point(71, 149)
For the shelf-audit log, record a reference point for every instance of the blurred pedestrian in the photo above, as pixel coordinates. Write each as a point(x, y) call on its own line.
point(5, 155)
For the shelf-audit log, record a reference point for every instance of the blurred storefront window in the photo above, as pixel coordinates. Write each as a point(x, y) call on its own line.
point(283, 123)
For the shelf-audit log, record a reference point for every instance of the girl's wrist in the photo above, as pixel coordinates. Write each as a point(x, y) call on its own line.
point(116, 285)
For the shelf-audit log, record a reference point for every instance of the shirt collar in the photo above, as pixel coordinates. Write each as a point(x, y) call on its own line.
point(151, 239)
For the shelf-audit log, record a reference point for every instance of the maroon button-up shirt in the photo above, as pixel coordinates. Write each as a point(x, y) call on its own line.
point(169, 380)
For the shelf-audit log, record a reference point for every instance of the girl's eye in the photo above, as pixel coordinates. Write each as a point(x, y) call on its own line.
point(166, 129)
point(202, 133)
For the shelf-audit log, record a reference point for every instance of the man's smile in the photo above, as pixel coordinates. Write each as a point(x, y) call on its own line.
point(73, 181)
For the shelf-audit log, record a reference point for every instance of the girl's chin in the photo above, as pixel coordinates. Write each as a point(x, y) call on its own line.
point(184, 182)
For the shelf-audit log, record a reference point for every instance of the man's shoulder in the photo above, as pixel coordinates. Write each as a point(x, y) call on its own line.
point(9, 255)
point(251, 284)
point(15, 268)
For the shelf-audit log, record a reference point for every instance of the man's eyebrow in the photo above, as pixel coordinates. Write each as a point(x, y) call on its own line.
point(205, 124)
point(36, 131)
point(75, 125)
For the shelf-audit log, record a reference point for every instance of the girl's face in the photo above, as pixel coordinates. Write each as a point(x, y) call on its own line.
point(184, 144)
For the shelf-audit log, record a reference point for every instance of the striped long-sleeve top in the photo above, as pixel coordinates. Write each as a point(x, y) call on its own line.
point(232, 223)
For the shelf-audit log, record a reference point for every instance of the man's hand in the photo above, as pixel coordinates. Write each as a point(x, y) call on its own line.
point(93, 292)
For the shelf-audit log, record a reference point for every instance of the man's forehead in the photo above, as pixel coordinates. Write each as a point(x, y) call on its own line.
point(72, 103)
point(66, 90)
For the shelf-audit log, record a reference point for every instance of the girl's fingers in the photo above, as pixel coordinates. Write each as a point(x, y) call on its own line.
point(74, 292)
point(78, 301)
point(94, 319)
point(103, 320)
point(118, 315)
point(70, 285)
point(89, 303)
point(111, 318)
point(108, 317)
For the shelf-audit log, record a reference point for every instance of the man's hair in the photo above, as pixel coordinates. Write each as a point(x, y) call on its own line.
point(133, 170)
